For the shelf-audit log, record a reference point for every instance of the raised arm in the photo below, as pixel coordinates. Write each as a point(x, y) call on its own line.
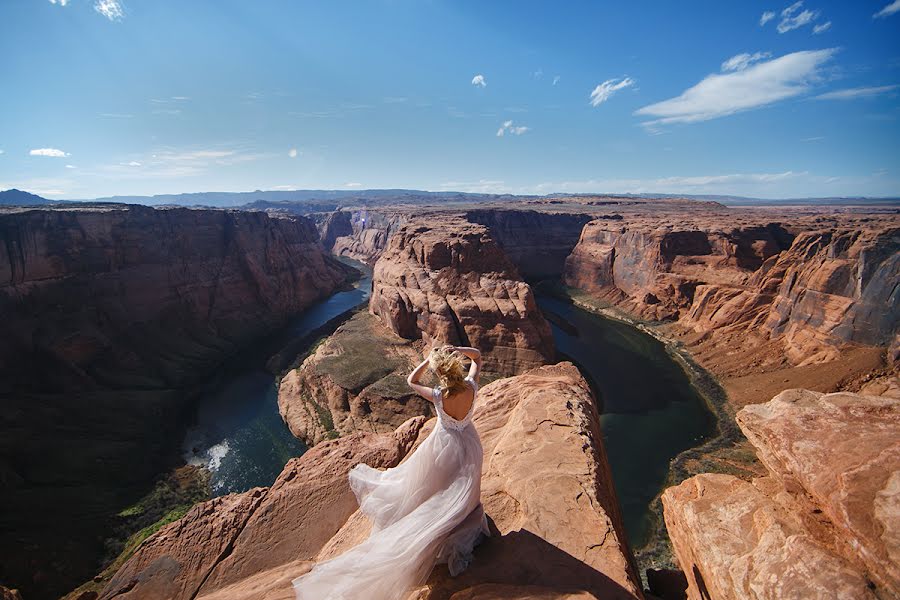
point(475, 355)
point(413, 381)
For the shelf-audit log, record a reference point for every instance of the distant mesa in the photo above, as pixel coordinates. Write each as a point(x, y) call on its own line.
point(16, 197)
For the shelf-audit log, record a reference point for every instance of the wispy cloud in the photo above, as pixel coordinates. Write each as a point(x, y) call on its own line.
point(823, 27)
point(555, 79)
point(111, 9)
point(817, 138)
point(353, 184)
point(509, 127)
point(116, 115)
point(854, 93)
point(478, 81)
point(292, 153)
point(59, 2)
point(794, 18)
point(49, 152)
point(71, 167)
point(605, 90)
point(766, 17)
point(538, 74)
point(739, 62)
point(482, 186)
point(722, 94)
point(891, 9)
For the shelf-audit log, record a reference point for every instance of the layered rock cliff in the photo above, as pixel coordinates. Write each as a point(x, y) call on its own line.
point(355, 381)
point(798, 294)
point(538, 243)
point(825, 522)
point(360, 234)
point(547, 491)
point(451, 283)
point(110, 315)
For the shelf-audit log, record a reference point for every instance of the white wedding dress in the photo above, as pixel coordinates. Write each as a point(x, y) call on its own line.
point(425, 511)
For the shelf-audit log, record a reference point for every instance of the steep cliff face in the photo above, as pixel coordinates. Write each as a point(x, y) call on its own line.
point(355, 381)
point(825, 523)
point(811, 288)
point(369, 233)
point(452, 283)
point(546, 488)
point(110, 314)
point(538, 243)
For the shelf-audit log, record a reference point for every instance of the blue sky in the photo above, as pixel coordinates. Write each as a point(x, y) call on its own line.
point(767, 99)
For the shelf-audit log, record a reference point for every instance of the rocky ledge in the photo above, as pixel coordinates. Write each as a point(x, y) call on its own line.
point(825, 522)
point(557, 532)
point(354, 381)
point(452, 283)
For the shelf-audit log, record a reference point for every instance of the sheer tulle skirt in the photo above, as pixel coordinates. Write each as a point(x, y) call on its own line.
point(424, 511)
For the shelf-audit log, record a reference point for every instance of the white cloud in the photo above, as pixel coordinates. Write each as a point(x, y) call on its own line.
point(766, 17)
point(111, 9)
point(860, 92)
point(605, 90)
point(51, 152)
point(292, 153)
point(739, 62)
point(71, 167)
point(482, 186)
point(823, 27)
point(890, 9)
point(478, 81)
point(538, 74)
point(555, 79)
point(352, 184)
point(508, 127)
point(792, 19)
point(2, 151)
point(133, 163)
point(60, 2)
point(722, 94)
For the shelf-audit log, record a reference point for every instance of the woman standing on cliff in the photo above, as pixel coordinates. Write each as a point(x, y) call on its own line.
point(425, 511)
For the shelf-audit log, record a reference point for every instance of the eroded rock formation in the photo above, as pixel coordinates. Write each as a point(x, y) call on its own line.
point(368, 235)
point(825, 523)
point(110, 314)
point(355, 381)
point(538, 243)
point(451, 283)
point(546, 489)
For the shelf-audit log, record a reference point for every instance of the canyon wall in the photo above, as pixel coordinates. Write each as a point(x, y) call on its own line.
point(811, 286)
point(538, 243)
point(360, 234)
point(546, 488)
point(825, 521)
point(110, 315)
point(451, 283)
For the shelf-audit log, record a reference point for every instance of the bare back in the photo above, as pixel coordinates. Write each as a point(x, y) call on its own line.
point(459, 404)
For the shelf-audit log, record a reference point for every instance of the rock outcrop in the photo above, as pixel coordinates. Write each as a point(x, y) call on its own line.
point(547, 491)
point(825, 523)
point(538, 243)
point(451, 283)
point(111, 314)
point(264, 530)
point(355, 381)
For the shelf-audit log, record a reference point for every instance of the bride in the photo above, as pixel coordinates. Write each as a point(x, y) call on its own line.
point(424, 511)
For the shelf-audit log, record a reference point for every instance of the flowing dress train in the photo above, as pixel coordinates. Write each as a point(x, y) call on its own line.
point(425, 511)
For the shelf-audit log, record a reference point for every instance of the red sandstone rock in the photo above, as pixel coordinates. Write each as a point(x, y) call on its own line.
point(355, 381)
point(370, 232)
point(839, 454)
point(735, 543)
point(451, 283)
point(825, 523)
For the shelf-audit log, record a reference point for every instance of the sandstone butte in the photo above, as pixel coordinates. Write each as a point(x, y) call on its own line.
point(110, 314)
point(824, 523)
point(557, 532)
point(450, 282)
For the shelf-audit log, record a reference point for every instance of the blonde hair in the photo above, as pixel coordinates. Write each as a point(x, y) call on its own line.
point(447, 366)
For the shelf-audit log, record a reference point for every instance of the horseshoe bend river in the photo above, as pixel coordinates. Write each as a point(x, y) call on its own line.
point(650, 411)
